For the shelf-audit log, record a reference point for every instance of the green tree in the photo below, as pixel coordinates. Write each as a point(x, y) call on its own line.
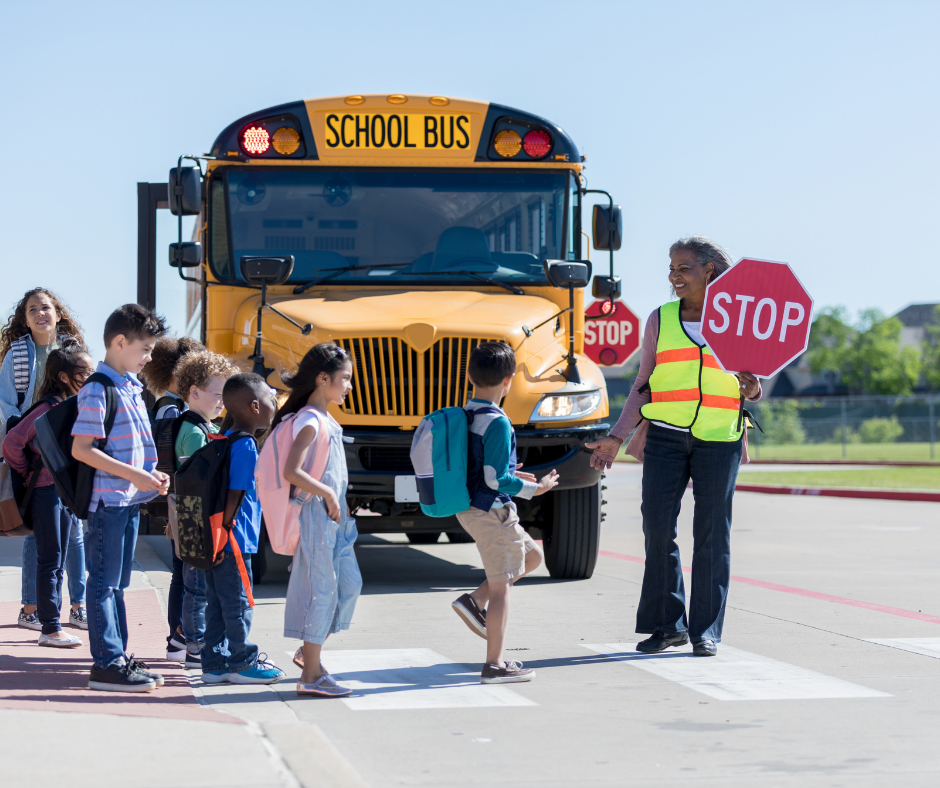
point(877, 362)
point(931, 358)
point(781, 423)
point(830, 343)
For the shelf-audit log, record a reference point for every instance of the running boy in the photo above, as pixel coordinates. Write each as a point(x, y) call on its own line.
point(125, 477)
point(507, 551)
point(200, 377)
point(228, 655)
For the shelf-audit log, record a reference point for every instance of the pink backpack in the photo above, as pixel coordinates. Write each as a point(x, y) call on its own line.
point(278, 498)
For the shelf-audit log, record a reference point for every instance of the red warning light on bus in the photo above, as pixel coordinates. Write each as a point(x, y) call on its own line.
point(537, 143)
point(256, 140)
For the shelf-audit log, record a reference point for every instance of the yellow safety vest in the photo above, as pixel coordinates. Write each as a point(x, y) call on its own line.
point(688, 386)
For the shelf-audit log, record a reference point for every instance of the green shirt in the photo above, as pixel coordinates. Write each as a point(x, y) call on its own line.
point(42, 353)
point(190, 440)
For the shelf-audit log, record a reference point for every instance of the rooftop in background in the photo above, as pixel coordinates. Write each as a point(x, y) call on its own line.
point(918, 315)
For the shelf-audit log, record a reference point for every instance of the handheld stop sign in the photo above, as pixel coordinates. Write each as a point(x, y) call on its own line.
point(613, 336)
point(757, 317)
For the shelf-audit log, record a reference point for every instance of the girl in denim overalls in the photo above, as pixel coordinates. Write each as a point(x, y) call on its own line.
point(325, 580)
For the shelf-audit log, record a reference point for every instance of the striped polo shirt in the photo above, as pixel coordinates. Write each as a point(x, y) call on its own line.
point(130, 441)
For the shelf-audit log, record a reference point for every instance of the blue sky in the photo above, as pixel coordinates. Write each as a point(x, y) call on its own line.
point(798, 131)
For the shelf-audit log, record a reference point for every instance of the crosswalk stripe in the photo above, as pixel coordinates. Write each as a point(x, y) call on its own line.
point(413, 678)
point(928, 647)
point(737, 675)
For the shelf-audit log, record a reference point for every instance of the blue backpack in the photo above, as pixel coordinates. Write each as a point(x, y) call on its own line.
point(440, 452)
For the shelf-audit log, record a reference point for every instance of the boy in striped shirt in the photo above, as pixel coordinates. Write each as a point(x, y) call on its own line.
point(125, 477)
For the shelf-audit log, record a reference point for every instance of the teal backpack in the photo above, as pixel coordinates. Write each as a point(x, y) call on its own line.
point(440, 451)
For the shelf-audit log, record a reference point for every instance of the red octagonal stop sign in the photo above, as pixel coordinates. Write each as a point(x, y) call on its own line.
point(756, 317)
point(611, 339)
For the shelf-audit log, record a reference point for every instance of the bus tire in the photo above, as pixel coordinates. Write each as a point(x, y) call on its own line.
point(424, 537)
point(571, 547)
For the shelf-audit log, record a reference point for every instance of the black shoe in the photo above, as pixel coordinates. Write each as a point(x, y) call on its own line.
point(705, 648)
point(119, 678)
point(141, 667)
point(660, 641)
point(475, 618)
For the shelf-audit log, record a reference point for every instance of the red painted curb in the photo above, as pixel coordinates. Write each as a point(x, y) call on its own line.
point(902, 463)
point(841, 492)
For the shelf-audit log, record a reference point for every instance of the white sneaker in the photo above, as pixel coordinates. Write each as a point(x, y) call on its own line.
point(64, 641)
point(176, 655)
point(28, 620)
point(77, 618)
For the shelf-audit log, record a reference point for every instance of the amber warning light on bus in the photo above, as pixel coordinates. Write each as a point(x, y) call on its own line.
point(510, 142)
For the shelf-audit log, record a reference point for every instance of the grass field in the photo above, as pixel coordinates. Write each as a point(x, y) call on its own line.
point(883, 478)
point(854, 451)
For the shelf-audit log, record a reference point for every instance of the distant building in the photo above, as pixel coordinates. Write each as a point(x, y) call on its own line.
point(915, 319)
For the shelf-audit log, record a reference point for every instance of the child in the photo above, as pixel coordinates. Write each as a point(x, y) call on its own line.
point(200, 377)
point(324, 581)
point(125, 478)
point(40, 321)
point(67, 368)
point(228, 655)
point(507, 551)
point(160, 380)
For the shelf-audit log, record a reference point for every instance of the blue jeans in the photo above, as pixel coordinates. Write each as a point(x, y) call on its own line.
point(194, 606)
point(228, 618)
point(174, 602)
point(109, 548)
point(74, 564)
point(51, 540)
point(670, 459)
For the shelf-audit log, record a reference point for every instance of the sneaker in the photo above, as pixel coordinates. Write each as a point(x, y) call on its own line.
point(142, 668)
point(215, 677)
point(77, 618)
point(65, 641)
point(177, 640)
point(176, 654)
point(509, 673)
point(262, 672)
point(119, 678)
point(28, 620)
point(193, 661)
point(472, 614)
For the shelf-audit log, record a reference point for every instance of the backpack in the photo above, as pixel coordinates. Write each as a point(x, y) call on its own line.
point(165, 433)
point(166, 399)
point(278, 498)
point(201, 491)
point(440, 452)
point(74, 480)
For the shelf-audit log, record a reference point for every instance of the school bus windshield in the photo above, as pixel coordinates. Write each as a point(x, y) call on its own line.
point(393, 226)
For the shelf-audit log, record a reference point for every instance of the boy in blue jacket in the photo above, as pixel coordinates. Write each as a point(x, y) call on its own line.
point(493, 478)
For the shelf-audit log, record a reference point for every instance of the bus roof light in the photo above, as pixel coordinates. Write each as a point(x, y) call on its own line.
point(286, 140)
point(537, 143)
point(256, 140)
point(507, 143)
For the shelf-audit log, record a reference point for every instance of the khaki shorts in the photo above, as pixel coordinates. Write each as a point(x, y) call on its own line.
point(501, 540)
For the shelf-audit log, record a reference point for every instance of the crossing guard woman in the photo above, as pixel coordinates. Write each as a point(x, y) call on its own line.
point(691, 421)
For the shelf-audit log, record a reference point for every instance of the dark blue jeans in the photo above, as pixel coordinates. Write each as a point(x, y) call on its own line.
point(109, 554)
point(228, 619)
point(51, 527)
point(174, 602)
point(670, 459)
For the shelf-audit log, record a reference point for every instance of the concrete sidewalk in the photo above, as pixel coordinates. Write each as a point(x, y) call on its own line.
point(237, 736)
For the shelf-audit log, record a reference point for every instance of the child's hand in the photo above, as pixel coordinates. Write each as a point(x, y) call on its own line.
point(147, 482)
point(547, 482)
point(524, 475)
point(332, 505)
point(164, 480)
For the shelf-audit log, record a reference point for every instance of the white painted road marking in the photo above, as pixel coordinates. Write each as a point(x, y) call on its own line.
point(928, 647)
point(737, 675)
point(413, 678)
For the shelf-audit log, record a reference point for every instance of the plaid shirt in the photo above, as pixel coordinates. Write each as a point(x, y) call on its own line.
point(130, 441)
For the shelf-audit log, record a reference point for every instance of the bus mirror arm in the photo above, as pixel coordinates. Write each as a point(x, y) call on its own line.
point(185, 198)
point(608, 234)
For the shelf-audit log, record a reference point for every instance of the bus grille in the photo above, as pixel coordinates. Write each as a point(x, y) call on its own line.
point(392, 379)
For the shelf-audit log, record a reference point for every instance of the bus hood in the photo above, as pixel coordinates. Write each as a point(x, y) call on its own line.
point(420, 317)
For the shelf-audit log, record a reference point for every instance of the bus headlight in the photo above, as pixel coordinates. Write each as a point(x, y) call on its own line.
point(566, 407)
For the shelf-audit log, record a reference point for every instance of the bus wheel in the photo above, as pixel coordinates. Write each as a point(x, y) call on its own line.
point(571, 547)
point(424, 537)
point(459, 538)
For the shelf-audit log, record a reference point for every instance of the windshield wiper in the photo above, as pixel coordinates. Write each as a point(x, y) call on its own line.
point(474, 275)
point(337, 271)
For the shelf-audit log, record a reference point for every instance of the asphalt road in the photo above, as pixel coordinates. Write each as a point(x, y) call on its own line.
point(798, 696)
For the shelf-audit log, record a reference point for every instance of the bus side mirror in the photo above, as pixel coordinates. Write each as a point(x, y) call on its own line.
point(184, 191)
point(187, 254)
point(566, 274)
point(608, 228)
point(606, 287)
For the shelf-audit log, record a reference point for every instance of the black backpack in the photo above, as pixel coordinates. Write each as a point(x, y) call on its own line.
point(73, 480)
point(202, 484)
point(165, 433)
point(23, 492)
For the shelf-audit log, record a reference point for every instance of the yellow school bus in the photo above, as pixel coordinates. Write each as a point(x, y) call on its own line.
point(407, 229)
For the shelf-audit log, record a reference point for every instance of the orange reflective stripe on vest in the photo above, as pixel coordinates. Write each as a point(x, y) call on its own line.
point(686, 354)
point(715, 401)
point(682, 395)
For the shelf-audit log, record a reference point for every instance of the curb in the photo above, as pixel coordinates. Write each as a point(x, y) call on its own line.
point(841, 492)
point(902, 463)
